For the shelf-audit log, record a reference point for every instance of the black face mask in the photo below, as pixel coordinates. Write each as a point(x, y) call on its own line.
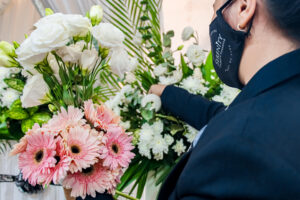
point(227, 47)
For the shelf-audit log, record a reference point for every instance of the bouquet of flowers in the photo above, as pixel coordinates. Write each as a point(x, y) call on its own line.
point(159, 138)
point(70, 64)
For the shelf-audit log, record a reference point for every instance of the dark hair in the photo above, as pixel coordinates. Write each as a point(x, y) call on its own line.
point(286, 14)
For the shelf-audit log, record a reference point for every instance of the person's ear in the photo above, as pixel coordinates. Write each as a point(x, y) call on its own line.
point(246, 13)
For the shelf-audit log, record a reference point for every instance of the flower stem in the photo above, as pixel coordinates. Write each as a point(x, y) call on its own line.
point(125, 195)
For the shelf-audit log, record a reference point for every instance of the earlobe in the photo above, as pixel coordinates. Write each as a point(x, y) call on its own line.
point(247, 11)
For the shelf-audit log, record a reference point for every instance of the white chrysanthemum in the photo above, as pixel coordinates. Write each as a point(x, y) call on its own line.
point(160, 70)
point(126, 125)
point(146, 133)
point(179, 147)
point(194, 85)
point(9, 96)
point(158, 127)
point(159, 145)
point(197, 74)
point(187, 33)
point(196, 55)
point(191, 134)
point(228, 94)
point(130, 78)
point(158, 156)
point(169, 139)
point(3, 86)
point(144, 150)
point(153, 99)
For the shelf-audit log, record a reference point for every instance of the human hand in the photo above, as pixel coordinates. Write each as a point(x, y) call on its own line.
point(157, 89)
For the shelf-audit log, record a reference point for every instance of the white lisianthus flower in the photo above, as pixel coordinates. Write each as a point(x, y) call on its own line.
point(179, 147)
point(191, 134)
point(158, 127)
point(160, 70)
point(119, 61)
point(187, 33)
point(169, 139)
point(34, 91)
point(9, 96)
point(96, 14)
point(71, 53)
point(4, 73)
point(194, 86)
point(133, 64)
point(108, 35)
point(197, 74)
point(88, 59)
point(196, 55)
point(158, 145)
point(130, 78)
point(77, 25)
point(126, 125)
point(54, 65)
point(7, 48)
point(153, 99)
point(144, 150)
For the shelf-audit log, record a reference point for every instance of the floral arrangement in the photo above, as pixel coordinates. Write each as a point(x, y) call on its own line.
point(159, 138)
point(68, 66)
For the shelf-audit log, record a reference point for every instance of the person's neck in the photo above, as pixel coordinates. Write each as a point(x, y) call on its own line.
point(259, 53)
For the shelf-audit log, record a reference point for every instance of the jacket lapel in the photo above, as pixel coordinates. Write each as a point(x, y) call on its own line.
point(275, 72)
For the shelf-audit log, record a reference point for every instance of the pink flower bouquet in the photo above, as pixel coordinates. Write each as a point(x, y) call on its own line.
point(85, 150)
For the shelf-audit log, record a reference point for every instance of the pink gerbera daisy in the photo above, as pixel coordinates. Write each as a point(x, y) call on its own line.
point(59, 171)
point(91, 180)
point(66, 119)
point(21, 146)
point(99, 116)
point(117, 147)
point(38, 157)
point(83, 148)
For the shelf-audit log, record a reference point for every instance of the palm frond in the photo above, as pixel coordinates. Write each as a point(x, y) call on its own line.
point(5, 145)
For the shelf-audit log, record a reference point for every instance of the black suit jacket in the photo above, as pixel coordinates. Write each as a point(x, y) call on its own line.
point(249, 151)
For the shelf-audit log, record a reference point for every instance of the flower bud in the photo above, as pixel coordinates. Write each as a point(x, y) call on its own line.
point(7, 61)
point(48, 11)
point(187, 33)
point(96, 14)
point(8, 49)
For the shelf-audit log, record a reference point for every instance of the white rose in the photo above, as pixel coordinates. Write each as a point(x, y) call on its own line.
point(34, 91)
point(108, 35)
point(153, 99)
point(187, 33)
point(88, 59)
point(71, 53)
point(119, 61)
point(160, 70)
point(196, 55)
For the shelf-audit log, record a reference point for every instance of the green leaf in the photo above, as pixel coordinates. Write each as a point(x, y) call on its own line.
point(17, 104)
point(147, 114)
point(141, 186)
point(27, 124)
point(15, 83)
point(208, 70)
point(32, 110)
point(41, 118)
point(17, 114)
point(185, 68)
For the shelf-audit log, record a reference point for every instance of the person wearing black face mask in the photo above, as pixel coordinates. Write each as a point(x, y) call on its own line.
point(248, 150)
